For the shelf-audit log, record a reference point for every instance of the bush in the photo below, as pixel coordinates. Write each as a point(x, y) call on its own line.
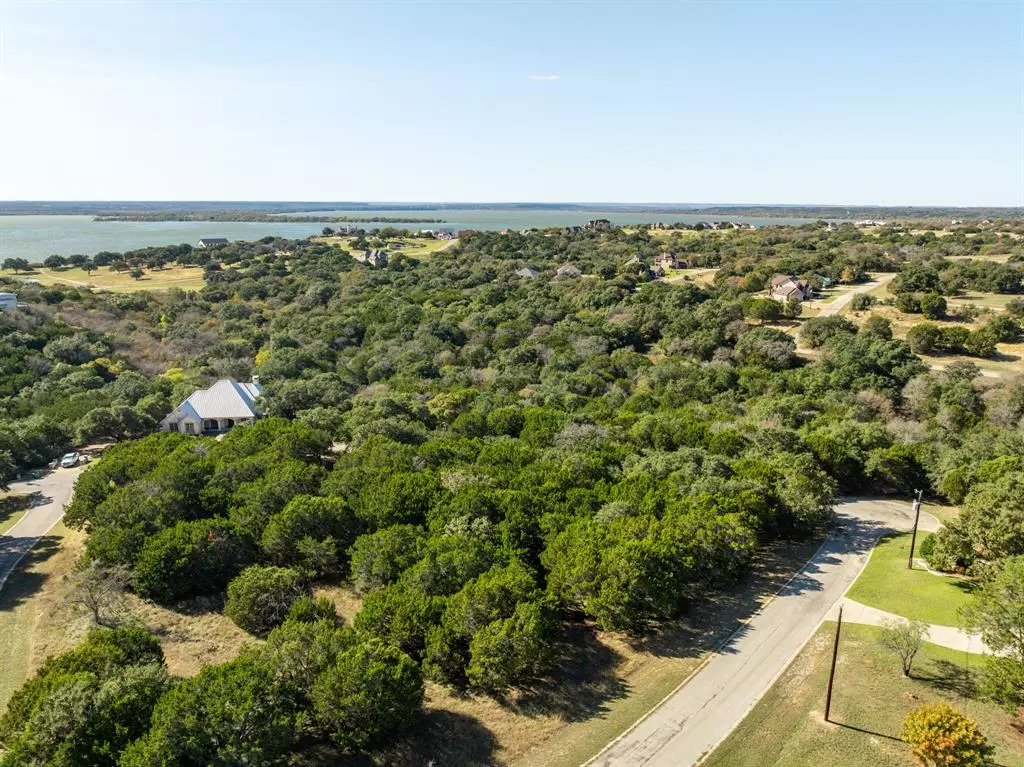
point(191, 558)
point(379, 558)
point(816, 331)
point(941, 735)
point(260, 597)
point(232, 714)
point(373, 689)
point(312, 533)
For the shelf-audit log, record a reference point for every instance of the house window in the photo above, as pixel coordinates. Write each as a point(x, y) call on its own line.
point(211, 424)
point(190, 428)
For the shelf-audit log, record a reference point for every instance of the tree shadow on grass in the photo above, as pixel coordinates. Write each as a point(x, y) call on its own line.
point(949, 677)
point(583, 682)
point(440, 738)
point(22, 584)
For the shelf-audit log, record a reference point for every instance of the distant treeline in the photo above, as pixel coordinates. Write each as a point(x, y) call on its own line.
point(246, 216)
point(861, 212)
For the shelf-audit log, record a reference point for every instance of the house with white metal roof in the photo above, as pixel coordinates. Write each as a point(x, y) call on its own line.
point(215, 410)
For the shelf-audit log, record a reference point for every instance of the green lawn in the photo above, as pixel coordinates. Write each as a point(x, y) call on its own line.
point(871, 698)
point(105, 278)
point(887, 584)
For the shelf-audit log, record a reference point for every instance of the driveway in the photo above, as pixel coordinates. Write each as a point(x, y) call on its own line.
point(56, 488)
point(704, 710)
point(834, 307)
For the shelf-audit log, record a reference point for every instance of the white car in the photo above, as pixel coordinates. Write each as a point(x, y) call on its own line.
point(69, 460)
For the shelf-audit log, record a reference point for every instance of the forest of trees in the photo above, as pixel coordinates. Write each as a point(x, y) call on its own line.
point(486, 458)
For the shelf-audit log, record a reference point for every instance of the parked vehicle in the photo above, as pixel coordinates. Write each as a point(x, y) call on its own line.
point(69, 460)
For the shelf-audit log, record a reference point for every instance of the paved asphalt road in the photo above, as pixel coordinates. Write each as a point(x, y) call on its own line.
point(700, 714)
point(56, 488)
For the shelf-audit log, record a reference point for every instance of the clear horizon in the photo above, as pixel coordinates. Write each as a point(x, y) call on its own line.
point(849, 104)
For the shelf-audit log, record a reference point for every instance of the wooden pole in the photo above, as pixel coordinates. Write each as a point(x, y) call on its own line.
point(913, 537)
point(832, 671)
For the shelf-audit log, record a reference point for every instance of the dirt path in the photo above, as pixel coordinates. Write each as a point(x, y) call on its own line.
point(834, 307)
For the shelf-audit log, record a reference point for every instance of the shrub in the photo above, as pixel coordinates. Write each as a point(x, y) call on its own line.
point(372, 689)
point(197, 557)
point(312, 533)
point(233, 713)
point(260, 597)
point(379, 558)
point(940, 735)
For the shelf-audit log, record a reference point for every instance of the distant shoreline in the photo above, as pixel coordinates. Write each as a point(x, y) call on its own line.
point(261, 218)
point(317, 212)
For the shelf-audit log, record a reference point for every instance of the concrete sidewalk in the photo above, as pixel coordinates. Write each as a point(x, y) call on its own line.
point(944, 636)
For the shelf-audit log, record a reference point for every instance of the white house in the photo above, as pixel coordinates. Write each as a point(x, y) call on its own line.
point(211, 242)
point(215, 410)
point(8, 302)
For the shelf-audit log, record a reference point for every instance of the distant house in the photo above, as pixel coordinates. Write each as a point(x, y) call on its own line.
point(444, 234)
point(527, 272)
point(464, 233)
point(573, 229)
point(670, 261)
point(787, 288)
point(598, 224)
point(568, 270)
point(226, 404)
point(869, 222)
point(8, 302)
point(212, 242)
point(375, 257)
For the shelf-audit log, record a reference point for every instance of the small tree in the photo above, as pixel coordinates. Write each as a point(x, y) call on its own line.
point(100, 591)
point(16, 264)
point(903, 639)
point(940, 736)
point(136, 273)
point(997, 612)
point(260, 597)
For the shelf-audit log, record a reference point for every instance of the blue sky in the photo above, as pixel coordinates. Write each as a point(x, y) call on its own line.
point(747, 102)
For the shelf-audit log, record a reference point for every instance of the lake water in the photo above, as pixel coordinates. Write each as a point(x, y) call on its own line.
point(35, 237)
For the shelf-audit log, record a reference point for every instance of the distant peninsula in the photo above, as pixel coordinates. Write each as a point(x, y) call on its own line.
point(270, 218)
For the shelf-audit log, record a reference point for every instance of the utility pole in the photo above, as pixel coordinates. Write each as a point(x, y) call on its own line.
point(832, 671)
point(913, 537)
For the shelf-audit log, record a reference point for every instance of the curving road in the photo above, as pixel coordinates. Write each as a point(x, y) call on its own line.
point(688, 724)
point(56, 488)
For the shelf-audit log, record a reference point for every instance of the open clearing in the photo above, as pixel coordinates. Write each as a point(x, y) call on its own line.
point(104, 278)
point(871, 698)
point(888, 585)
point(414, 247)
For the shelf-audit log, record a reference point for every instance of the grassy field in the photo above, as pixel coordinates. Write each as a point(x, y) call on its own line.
point(414, 246)
point(887, 584)
point(104, 278)
point(33, 623)
point(871, 698)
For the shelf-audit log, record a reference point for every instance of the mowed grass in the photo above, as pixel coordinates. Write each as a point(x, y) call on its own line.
point(34, 623)
point(887, 584)
point(870, 700)
point(104, 278)
point(414, 247)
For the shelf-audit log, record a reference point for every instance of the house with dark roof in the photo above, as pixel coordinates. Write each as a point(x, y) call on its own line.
point(598, 224)
point(785, 287)
point(211, 242)
point(527, 272)
point(669, 260)
point(224, 405)
point(568, 270)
